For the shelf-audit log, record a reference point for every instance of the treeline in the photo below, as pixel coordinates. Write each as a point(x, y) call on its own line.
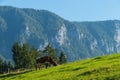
point(5, 67)
point(24, 57)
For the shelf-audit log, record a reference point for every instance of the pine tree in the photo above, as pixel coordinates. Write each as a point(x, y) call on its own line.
point(10, 66)
point(33, 55)
point(1, 64)
point(49, 51)
point(24, 56)
point(17, 57)
point(5, 66)
point(39, 54)
point(62, 58)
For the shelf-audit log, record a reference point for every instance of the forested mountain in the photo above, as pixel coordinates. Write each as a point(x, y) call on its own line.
point(78, 40)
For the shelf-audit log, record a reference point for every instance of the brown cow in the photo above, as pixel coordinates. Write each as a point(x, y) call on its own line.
point(41, 60)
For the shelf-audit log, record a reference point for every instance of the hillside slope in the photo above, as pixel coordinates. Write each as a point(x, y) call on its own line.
point(99, 68)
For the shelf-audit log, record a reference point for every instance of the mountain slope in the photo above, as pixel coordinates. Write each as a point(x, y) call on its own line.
point(78, 40)
point(98, 68)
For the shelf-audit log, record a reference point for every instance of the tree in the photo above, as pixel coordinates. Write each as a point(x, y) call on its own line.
point(32, 56)
point(39, 54)
point(17, 57)
point(1, 64)
point(5, 66)
point(10, 66)
point(62, 58)
point(24, 56)
point(49, 51)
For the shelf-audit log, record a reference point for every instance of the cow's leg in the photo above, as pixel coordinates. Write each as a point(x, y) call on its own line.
point(36, 66)
point(39, 66)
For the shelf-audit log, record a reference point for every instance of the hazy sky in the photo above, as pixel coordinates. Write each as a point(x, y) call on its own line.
point(73, 10)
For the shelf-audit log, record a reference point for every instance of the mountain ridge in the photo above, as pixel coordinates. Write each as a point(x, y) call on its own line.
point(78, 40)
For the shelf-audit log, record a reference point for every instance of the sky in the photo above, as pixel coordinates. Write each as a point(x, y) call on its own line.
point(73, 10)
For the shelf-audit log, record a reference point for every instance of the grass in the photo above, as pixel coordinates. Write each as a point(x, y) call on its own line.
point(98, 68)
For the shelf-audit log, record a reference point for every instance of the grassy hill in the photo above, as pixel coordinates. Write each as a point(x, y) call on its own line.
point(99, 68)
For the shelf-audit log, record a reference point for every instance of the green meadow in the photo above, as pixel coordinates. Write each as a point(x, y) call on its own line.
point(98, 68)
